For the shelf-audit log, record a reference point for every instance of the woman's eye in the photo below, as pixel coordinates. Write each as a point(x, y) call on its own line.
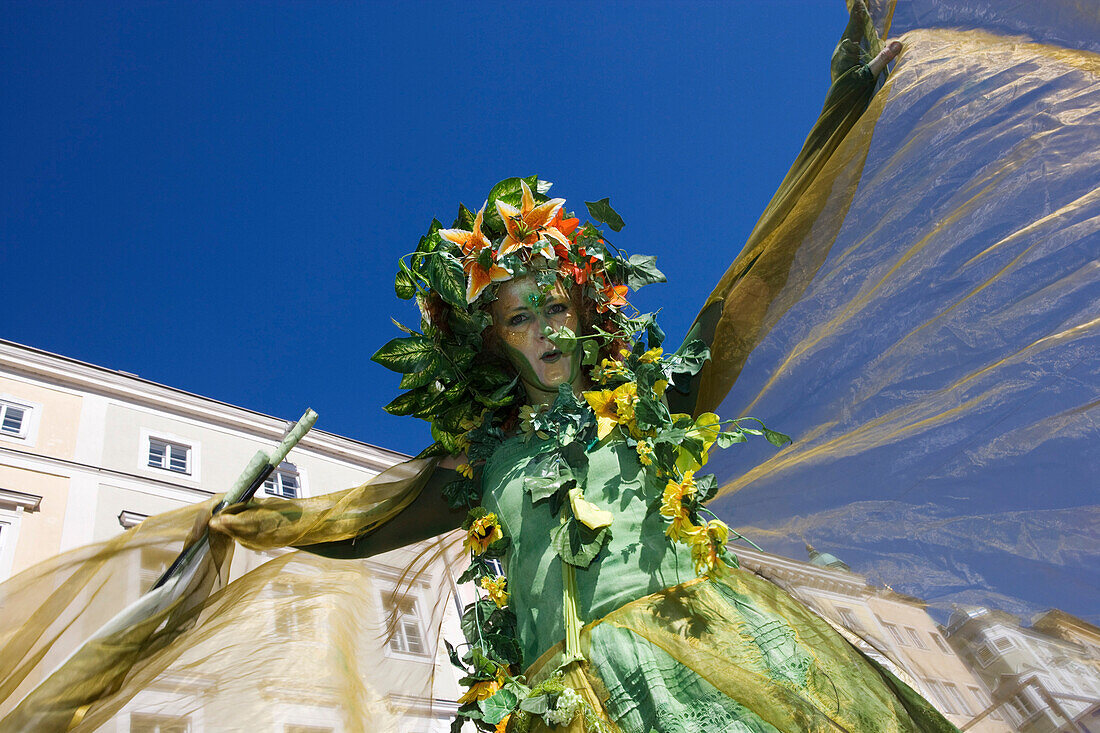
point(557, 308)
point(517, 319)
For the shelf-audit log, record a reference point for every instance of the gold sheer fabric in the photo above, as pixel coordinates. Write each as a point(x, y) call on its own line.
point(292, 637)
point(929, 328)
point(917, 307)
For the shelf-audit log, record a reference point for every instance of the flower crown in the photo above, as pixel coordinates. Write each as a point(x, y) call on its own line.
point(454, 274)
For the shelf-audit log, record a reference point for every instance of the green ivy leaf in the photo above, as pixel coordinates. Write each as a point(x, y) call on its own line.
point(777, 439)
point(642, 270)
point(655, 335)
point(464, 220)
point(705, 487)
point(410, 403)
point(591, 352)
point(648, 413)
point(602, 212)
point(476, 571)
point(691, 357)
point(407, 354)
point(447, 279)
point(504, 649)
point(577, 544)
point(536, 704)
point(728, 437)
point(453, 654)
point(500, 704)
point(474, 616)
point(404, 284)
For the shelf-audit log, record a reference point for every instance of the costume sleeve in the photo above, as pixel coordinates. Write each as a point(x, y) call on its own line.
point(756, 286)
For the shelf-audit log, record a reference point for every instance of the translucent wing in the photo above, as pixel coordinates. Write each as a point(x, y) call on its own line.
point(930, 320)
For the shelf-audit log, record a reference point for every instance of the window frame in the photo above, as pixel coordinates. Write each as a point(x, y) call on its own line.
point(276, 479)
point(941, 643)
point(194, 455)
point(914, 636)
point(28, 426)
point(385, 598)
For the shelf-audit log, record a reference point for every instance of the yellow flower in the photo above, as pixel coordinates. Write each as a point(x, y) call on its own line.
point(529, 224)
point(466, 470)
point(608, 370)
point(651, 356)
point(484, 531)
point(626, 396)
point(645, 453)
point(502, 726)
point(705, 429)
point(588, 513)
point(672, 507)
point(707, 545)
point(498, 589)
point(602, 403)
point(660, 386)
point(613, 407)
point(483, 689)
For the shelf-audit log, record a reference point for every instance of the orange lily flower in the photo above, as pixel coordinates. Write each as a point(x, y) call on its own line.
point(529, 224)
point(477, 261)
point(614, 297)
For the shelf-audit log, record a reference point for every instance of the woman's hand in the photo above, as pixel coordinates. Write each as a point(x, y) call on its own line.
point(885, 56)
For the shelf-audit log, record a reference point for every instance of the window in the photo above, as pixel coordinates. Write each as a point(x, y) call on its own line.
point(895, 632)
point(1002, 643)
point(154, 561)
point(142, 723)
point(917, 641)
point(1023, 706)
point(848, 618)
point(984, 655)
point(944, 704)
point(940, 642)
point(407, 637)
point(284, 481)
point(983, 701)
point(295, 613)
point(13, 419)
point(956, 697)
point(169, 456)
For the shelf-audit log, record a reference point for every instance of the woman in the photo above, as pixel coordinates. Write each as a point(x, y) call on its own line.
point(576, 460)
point(574, 447)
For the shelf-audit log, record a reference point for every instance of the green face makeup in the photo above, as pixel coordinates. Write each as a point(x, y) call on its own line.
point(524, 317)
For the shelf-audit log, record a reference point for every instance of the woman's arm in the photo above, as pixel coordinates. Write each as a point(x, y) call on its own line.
point(426, 516)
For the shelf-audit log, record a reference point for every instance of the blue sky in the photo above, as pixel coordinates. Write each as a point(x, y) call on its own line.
point(214, 196)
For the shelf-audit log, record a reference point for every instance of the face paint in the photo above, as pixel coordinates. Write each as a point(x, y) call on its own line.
point(522, 317)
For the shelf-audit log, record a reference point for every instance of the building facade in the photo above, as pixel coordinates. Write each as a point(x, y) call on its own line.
point(891, 628)
point(88, 452)
point(1042, 681)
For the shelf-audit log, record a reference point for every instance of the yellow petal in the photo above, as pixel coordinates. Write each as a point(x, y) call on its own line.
point(588, 513)
point(528, 201)
point(543, 214)
point(476, 282)
point(604, 426)
point(458, 236)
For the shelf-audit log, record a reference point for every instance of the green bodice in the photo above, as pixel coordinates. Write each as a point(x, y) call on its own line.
point(638, 560)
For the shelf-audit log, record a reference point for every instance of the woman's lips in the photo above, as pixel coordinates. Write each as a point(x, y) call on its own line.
point(551, 356)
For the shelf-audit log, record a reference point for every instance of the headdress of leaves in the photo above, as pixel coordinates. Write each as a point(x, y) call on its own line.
point(519, 231)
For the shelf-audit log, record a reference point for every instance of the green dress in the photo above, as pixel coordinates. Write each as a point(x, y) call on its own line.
point(666, 650)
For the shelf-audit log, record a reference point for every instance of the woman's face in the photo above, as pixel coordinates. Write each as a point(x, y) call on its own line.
point(521, 314)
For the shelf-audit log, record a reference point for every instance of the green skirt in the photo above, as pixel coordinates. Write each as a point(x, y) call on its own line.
point(732, 652)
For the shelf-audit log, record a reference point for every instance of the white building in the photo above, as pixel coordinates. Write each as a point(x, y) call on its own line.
point(87, 452)
point(1043, 682)
point(891, 628)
